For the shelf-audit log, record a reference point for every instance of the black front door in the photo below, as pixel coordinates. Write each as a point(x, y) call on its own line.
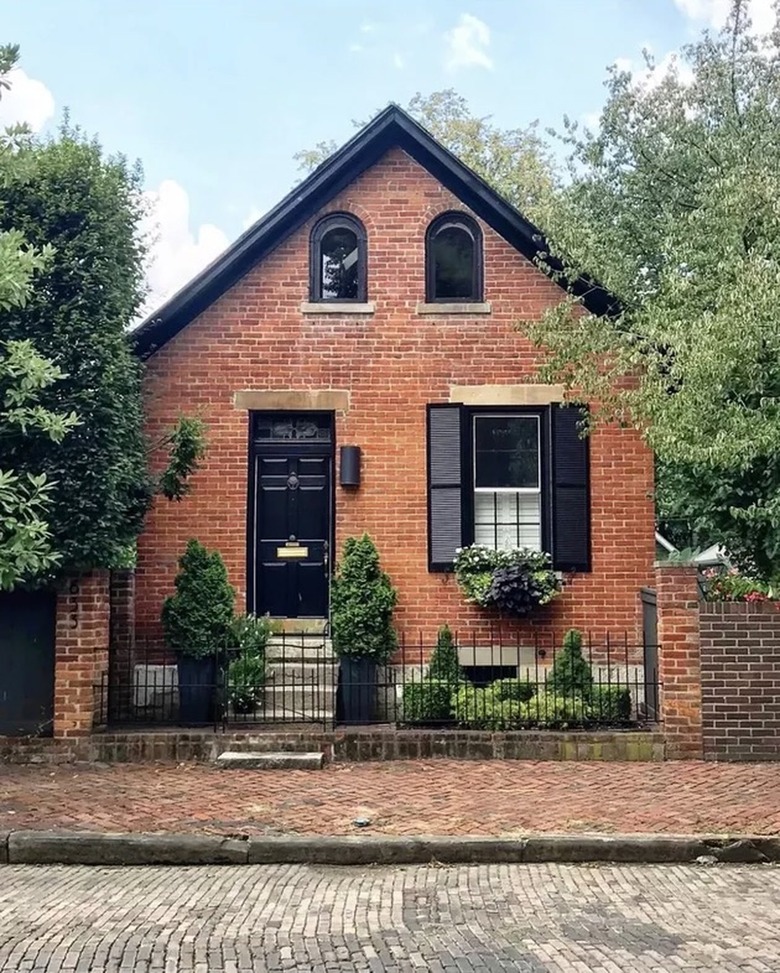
point(292, 459)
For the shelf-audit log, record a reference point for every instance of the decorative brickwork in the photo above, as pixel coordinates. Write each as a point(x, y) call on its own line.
point(679, 668)
point(81, 656)
point(392, 362)
point(740, 680)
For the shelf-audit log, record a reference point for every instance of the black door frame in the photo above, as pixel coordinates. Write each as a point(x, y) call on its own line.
point(252, 451)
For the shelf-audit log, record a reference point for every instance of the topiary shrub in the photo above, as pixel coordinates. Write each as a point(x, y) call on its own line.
point(444, 662)
point(428, 701)
point(362, 603)
point(571, 674)
point(196, 619)
point(552, 711)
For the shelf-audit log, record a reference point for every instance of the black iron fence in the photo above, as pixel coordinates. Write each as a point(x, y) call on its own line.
point(481, 684)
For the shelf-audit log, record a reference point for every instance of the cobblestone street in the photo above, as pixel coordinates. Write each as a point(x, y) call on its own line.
point(534, 918)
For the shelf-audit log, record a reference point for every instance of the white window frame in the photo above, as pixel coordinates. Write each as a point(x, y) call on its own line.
point(515, 491)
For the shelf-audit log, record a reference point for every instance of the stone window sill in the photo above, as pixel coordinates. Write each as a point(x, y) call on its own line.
point(456, 307)
point(333, 307)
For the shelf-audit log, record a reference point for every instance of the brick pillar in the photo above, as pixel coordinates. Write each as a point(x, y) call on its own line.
point(680, 660)
point(81, 655)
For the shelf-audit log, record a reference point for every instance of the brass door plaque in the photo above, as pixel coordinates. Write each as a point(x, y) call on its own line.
point(291, 550)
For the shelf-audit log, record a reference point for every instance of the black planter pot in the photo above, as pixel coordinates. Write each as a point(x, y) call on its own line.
point(197, 689)
point(357, 690)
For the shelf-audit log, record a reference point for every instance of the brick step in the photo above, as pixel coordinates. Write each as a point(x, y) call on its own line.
point(269, 760)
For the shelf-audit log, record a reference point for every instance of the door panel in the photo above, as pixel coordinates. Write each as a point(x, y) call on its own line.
point(27, 627)
point(292, 513)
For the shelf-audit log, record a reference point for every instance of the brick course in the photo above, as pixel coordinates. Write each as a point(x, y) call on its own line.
point(394, 362)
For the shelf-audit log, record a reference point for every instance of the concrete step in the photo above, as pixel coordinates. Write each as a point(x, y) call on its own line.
point(276, 760)
point(301, 672)
point(285, 696)
point(300, 648)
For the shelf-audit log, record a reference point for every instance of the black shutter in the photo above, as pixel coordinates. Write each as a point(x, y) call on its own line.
point(445, 485)
point(570, 491)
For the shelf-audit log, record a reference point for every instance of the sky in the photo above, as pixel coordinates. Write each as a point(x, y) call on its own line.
point(216, 96)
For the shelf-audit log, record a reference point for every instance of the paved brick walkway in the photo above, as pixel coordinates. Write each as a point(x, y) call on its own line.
point(486, 919)
point(436, 797)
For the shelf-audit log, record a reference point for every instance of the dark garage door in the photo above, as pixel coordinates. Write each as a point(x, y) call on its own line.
point(27, 621)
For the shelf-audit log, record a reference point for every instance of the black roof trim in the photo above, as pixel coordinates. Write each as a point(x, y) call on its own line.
point(391, 127)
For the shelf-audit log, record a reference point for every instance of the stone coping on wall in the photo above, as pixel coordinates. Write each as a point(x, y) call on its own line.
point(342, 745)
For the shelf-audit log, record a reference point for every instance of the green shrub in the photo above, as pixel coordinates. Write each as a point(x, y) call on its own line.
point(610, 703)
point(197, 617)
point(520, 690)
point(548, 710)
point(571, 674)
point(428, 701)
point(246, 678)
point(483, 709)
point(362, 603)
point(250, 633)
point(444, 662)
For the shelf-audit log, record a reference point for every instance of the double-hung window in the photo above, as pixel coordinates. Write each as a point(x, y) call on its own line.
point(506, 479)
point(507, 471)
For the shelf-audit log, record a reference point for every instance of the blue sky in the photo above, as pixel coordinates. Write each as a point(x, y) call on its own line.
point(215, 96)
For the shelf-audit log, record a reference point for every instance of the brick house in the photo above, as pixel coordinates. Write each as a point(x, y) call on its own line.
point(357, 358)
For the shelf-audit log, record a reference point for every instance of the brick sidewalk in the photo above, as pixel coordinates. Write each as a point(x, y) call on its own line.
point(441, 797)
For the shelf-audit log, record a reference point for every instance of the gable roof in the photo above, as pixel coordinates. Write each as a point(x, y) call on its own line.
point(392, 127)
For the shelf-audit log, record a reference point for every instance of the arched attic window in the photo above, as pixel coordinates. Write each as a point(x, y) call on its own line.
point(338, 259)
point(453, 259)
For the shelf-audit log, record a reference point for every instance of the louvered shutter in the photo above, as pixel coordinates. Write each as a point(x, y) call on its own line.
point(570, 491)
point(445, 485)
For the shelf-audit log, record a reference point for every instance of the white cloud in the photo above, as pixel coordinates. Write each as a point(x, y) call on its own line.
point(178, 252)
point(714, 13)
point(252, 217)
point(467, 44)
point(27, 101)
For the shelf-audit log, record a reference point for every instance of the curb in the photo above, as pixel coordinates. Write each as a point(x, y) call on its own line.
point(91, 848)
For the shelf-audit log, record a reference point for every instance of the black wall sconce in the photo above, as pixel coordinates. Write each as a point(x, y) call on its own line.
point(349, 466)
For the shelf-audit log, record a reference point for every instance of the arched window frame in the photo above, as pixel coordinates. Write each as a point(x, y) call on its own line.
point(330, 222)
point(477, 276)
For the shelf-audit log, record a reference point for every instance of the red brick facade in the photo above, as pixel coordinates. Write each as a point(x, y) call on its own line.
point(392, 363)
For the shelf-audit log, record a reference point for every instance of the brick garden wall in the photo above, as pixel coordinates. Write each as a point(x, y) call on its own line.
point(740, 681)
point(392, 363)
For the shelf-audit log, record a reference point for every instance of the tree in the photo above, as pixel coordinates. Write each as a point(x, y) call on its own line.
point(86, 209)
point(515, 161)
point(25, 539)
point(672, 206)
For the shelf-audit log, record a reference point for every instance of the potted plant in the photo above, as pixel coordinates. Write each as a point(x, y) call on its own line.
point(246, 672)
point(362, 603)
point(196, 620)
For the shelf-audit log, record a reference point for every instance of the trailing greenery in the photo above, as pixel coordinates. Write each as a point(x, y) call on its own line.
point(515, 582)
point(362, 603)
point(672, 206)
point(197, 618)
point(186, 446)
point(571, 674)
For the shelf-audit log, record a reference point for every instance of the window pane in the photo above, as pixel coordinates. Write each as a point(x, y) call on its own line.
point(506, 451)
point(453, 263)
point(508, 520)
point(339, 249)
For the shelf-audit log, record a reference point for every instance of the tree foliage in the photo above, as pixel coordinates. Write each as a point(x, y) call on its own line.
point(673, 206)
point(515, 161)
point(86, 207)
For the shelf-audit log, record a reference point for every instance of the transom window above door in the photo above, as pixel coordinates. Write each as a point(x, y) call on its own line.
point(507, 481)
point(453, 259)
point(338, 259)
